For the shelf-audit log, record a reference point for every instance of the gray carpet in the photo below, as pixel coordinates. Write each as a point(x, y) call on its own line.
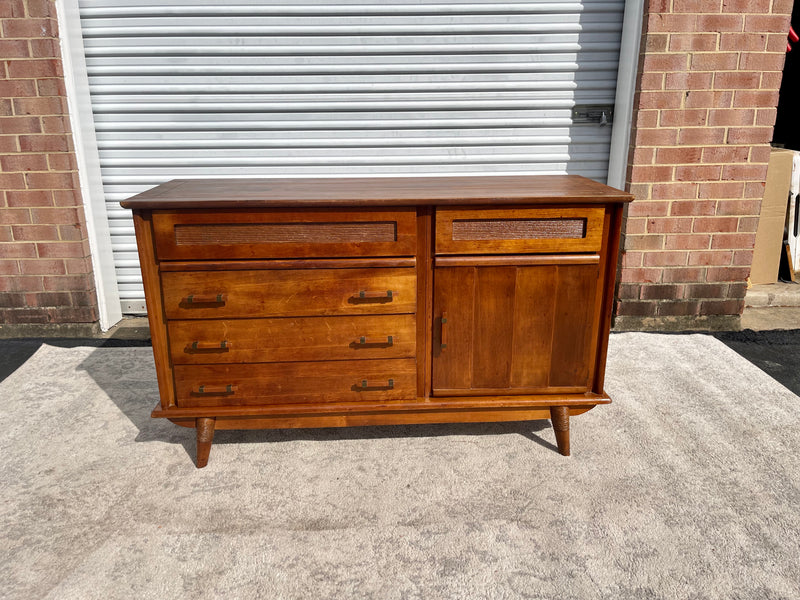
point(687, 486)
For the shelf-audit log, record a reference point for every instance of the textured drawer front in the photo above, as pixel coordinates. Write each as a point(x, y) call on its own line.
point(209, 235)
point(288, 293)
point(518, 230)
point(293, 383)
point(292, 339)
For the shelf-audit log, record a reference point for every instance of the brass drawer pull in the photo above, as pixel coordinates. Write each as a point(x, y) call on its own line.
point(206, 299)
point(217, 389)
point(444, 329)
point(377, 295)
point(365, 341)
point(366, 386)
point(200, 346)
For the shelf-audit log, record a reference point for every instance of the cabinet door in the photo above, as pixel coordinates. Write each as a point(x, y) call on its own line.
point(514, 329)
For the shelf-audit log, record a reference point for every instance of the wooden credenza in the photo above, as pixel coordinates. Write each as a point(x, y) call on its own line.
point(340, 302)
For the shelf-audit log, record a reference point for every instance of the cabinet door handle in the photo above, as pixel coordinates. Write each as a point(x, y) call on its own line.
point(444, 331)
point(378, 295)
point(365, 385)
point(365, 341)
point(206, 298)
point(223, 345)
point(217, 389)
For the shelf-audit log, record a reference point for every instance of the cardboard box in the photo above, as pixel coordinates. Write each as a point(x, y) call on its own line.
point(767, 251)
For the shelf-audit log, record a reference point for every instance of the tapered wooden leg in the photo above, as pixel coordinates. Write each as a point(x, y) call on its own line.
point(559, 415)
point(205, 435)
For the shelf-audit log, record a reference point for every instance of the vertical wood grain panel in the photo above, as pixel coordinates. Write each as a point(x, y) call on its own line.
point(534, 312)
point(575, 297)
point(454, 292)
point(493, 326)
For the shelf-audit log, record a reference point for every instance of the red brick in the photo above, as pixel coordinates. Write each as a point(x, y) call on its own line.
point(696, 6)
point(42, 67)
point(15, 216)
point(38, 106)
point(18, 250)
point(635, 226)
point(771, 81)
point(706, 290)
point(669, 225)
point(682, 155)
point(29, 28)
point(648, 209)
point(62, 162)
point(721, 307)
point(55, 124)
point(762, 61)
point(725, 154)
point(33, 233)
point(66, 198)
point(42, 267)
point(701, 136)
point(9, 267)
point(6, 108)
point(66, 283)
point(12, 8)
point(78, 265)
point(714, 61)
point(782, 7)
point(766, 116)
point(669, 191)
point(72, 233)
point(636, 309)
point(683, 275)
point(49, 299)
point(665, 259)
point(49, 181)
point(666, 62)
point(12, 181)
point(660, 100)
point(719, 23)
point(776, 42)
point(640, 275)
point(652, 81)
point(20, 125)
point(628, 291)
point(20, 284)
point(650, 173)
point(688, 81)
point(656, 42)
point(55, 216)
point(738, 80)
point(5, 234)
point(647, 118)
point(40, 8)
point(631, 259)
point(747, 225)
point(730, 116)
point(727, 273)
point(643, 156)
point(656, 137)
point(696, 42)
point(8, 144)
point(45, 48)
point(51, 87)
point(707, 259)
point(745, 172)
point(725, 189)
point(734, 241)
point(43, 143)
point(745, 6)
point(750, 135)
point(23, 162)
point(689, 241)
point(683, 118)
point(644, 242)
point(770, 23)
point(692, 208)
point(753, 42)
point(27, 198)
point(17, 88)
point(738, 207)
point(743, 258)
point(84, 298)
point(660, 292)
point(756, 98)
point(678, 309)
point(708, 99)
point(754, 189)
point(671, 23)
point(714, 225)
point(60, 250)
point(697, 172)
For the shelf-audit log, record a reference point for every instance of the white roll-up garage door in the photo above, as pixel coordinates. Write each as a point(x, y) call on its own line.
point(200, 88)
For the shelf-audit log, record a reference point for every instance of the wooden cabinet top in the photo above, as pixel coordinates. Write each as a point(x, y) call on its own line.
point(375, 191)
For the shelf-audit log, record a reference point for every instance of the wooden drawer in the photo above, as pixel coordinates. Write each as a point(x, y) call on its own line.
point(292, 339)
point(209, 235)
point(288, 293)
point(518, 230)
point(298, 382)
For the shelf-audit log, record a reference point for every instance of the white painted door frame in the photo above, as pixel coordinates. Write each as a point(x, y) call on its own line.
point(83, 133)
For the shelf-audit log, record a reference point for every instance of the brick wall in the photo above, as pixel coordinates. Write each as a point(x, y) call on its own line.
point(45, 269)
point(710, 71)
